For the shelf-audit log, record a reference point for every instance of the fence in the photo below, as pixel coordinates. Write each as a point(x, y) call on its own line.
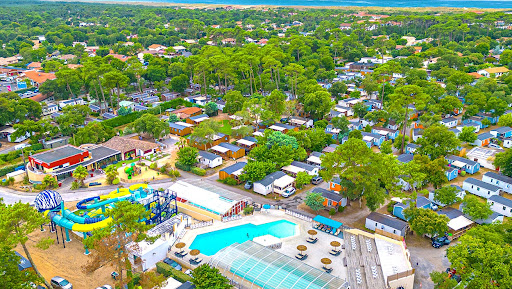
point(300, 215)
point(200, 225)
point(231, 218)
point(400, 275)
point(389, 235)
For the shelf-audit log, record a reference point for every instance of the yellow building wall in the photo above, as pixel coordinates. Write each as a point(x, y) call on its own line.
point(197, 213)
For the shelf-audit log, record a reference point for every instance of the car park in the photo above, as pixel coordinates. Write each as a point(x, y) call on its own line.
point(60, 283)
point(172, 263)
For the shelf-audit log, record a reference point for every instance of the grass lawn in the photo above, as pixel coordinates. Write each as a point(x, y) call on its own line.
point(226, 127)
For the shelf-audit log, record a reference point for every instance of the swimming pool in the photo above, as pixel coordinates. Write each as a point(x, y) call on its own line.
point(211, 243)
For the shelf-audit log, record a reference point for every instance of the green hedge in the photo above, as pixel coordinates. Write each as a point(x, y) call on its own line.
point(5, 170)
point(168, 271)
point(198, 171)
point(182, 167)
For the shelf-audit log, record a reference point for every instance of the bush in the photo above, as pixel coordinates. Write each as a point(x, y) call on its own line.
point(168, 271)
point(153, 166)
point(341, 209)
point(248, 210)
point(462, 173)
point(332, 211)
point(75, 185)
point(198, 171)
point(229, 181)
point(176, 173)
point(115, 181)
point(390, 207)
point(182, 167)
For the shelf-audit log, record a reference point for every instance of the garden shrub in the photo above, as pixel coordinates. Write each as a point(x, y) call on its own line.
point(168, 271)
point(198, 171)
point(332, 211)
point(341, 209)
point(182, 167)
point(115, 181)
point(153, 166)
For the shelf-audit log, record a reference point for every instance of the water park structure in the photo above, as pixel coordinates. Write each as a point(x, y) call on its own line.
point(90, 213)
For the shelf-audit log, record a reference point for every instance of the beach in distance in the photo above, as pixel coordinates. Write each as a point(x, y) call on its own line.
point(456, 5)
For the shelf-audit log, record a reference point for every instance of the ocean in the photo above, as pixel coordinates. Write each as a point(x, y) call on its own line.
point(502, 4)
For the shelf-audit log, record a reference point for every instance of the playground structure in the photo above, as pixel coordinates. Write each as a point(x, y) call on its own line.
point(132, 171)
point(90, 214)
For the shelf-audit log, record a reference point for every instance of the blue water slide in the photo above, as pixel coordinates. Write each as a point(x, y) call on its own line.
point(60, 221)
point(82, 205)
point(80, 220)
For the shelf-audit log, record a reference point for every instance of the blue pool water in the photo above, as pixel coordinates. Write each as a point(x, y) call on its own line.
point(211, 243)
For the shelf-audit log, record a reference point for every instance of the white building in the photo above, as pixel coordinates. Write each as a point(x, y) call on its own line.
point(386, 223)
point(276, 182)
point(504, 182)
point(209, 159)
point(501, 205)
point(480, 188)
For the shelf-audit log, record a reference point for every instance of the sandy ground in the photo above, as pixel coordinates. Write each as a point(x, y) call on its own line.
point(260, 7)
point(66, 262)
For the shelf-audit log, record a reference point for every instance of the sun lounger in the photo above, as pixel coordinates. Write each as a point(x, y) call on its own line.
point(335, 252)
point(301, 256)
point(198, 260)
point(327, 270)
point(311, 240)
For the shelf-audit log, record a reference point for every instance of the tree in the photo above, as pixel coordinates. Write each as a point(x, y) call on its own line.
point(386, 147)
point(426, 221)
point(205, 131)
point(11, 276)
point(448, 104)
point(280, 139)
point(256, 170)
point(116, 79)
point(150, 124)
point(364, 173)
point(482, 256)
point(503, 161)
point(206, 277)
point(360, 109)
point(114, 244)
point(342, 124)
point(302, 179)
point(442, 280)
point(124, 110)
point(49, 182)
point(211, 109)
point(446, 195)
point(80, 173)
point(496, 106)
point(476, 209)
point(111, 173)
point(468, 134)
point(505, 120)
point(173, 118)
point(398, 141)
point(437, 141)
point(338, 89)
point(317, 104)
point(434, 169)
point(280, 156)
point(315, 201)
point(355, 134)
point(234, 101)
point(180, 83)
point(17, 222)
point(187, 156)
point(400, 102)
point(93, 133)
point(275, 102)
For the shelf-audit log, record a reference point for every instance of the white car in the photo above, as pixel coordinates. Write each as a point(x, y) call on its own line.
point(105, 287)
point(288, 192)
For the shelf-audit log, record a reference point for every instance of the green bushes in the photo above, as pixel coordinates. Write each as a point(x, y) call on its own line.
point(183, 167)
point(168, 271)
point(341, 209)
point(115, 181)
point(229, 181)
point(153, 166)
point(332, 211)
point(5, 170)
point(198, 171)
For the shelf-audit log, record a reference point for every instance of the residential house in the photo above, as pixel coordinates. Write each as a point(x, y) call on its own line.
point(198, 99)
point(475, 120)
point(493, 71)
point(127, 104)
point(421, 203)
point(386, 132)
point(451, 173)
point(233, 171)
point(276, 182)
point(455, 131)
point(209, 160)
point(156, 47)
point(483, 139)
point(227, 150)
point(195, 120)
point(131, 148)
point(349, 102)
point(247, 143)
point(300, 121)
point(460, 195)
point(502, 132)
point(458, 223)
point(187, 112)
point(284, 128)
point(376, 221)
point(339, 111)
point(6, 132)
point(476, 126)
point(310, 169)
point(330, 148)
point(314, 159)
point(330, 129)
point(37, 77)
point(106, 115)
point(55, 143)
point(497, 179)
point(405, 158)
point(180, 128)
point(392, 124)
point(449, 122)
point(331, 199)
point(501, 205)
point(74, 101)
point(484, 156)
point(507, 143)
point(480, 188)
point(220, 104)
point(417, 133)
point(335, 185)
point(489, 116)
point(373, 139)
point(49, 109)
point(469, 166)
point(411, 148)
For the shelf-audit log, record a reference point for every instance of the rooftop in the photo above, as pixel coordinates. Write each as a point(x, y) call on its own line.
point(56, 154)
point(499, 177)
point(234, 167)
point(482, 184)
point(96, 154)
point(123, 144)
point(387, 220)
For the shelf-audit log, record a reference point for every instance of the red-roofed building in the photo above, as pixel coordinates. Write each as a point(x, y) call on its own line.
point(37, 78)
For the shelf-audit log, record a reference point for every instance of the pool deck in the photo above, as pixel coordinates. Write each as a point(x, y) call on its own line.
point(289, 247)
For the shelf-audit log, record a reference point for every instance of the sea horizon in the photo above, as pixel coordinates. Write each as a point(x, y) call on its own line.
point(470, 4)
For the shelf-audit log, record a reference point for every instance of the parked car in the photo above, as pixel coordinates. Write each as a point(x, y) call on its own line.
point(288, 192)
point(248, 185)
point(189, 272)
point(495, 146)
point(60, 283)
point(440, 241)
point(173, 264)
point(105, 287)
point(316, 180)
